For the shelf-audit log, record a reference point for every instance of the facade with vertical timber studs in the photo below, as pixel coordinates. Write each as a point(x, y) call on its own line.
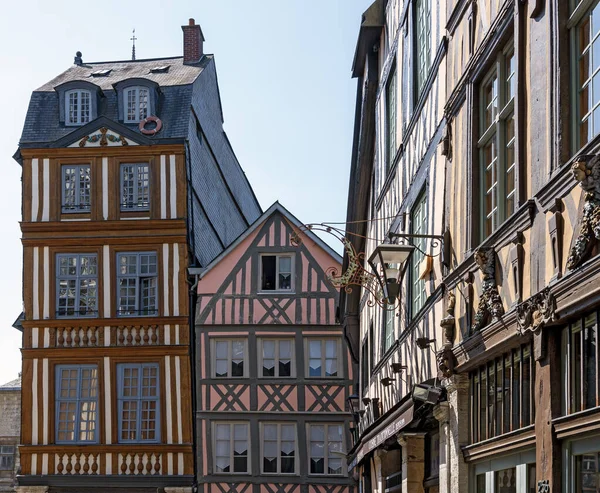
point(273, 369)
point(128, 180)
point(479, 121)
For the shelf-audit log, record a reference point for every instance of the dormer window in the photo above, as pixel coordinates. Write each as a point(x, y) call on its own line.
point(136, 104)
point(78, 103)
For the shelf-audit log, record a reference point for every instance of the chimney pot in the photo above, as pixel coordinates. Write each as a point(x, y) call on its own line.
point(193, 42)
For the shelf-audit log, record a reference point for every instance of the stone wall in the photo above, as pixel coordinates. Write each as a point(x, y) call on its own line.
point(10, 429)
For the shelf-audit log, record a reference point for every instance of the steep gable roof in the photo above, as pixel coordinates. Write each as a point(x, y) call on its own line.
point(276, 207)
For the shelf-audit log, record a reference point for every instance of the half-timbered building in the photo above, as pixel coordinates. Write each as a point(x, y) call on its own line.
point(273, 370)
point(128, 180)
point(477, 123)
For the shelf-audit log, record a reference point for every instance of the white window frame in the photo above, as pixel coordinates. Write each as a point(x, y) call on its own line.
point(277, 342)
point(339, 358)
point(496, 133)
point(136, 204)
point(213, 357)
point(520, 461)
point(136, 104)
point(231, 425)
point(262, 440)
point(81, 201)
point(79, 115)
point(277, 257)
point(391, 108)
point(580, 11)
point(327, 454)
point(422, 40)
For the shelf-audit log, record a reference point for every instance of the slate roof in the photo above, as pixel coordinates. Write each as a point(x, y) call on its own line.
point(178, 74)
point(42, 126)
point(12, 385)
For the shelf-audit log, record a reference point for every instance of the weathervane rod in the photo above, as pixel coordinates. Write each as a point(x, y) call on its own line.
point(133, 38)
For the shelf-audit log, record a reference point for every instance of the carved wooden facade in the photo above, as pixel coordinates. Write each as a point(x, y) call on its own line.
point(234, 307)
point(511, 181)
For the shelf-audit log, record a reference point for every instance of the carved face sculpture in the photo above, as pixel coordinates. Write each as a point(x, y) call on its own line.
point(480, 258)
point(579, 170)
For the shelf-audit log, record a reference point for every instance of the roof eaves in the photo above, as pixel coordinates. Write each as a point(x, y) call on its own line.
point(373, 20)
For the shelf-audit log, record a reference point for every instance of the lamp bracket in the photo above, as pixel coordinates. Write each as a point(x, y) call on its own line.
point(437, 241)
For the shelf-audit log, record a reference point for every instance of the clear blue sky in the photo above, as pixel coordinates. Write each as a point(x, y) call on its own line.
point(284, 75)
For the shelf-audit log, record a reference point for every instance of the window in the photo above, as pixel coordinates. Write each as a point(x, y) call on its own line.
point(231, 447)
point(587, 475)
point(422, 42)
point(323, 358)
point(7, 457)
point(229, 358)
point(278, 448)
point(580, 365)
point(501, 395)
point(277, 358)
point(326, 449)
point(77, 404)
point(276, 273)
point(497, 142)
point(136, 284)
point(364, 365)
point(138, 402)
point(76, 185)
point(585, 42)
point(418, 220)
point(79, 107)
point(389, 320)
point(520, 478)
point(390, 93)
point(135, 187)
point(76, 285)
point(137, 104)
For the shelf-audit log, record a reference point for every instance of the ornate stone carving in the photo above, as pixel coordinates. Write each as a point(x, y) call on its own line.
point(446, 361)
point(586, 170)
point(490, 304)
point(448, 322)
point(536, 312)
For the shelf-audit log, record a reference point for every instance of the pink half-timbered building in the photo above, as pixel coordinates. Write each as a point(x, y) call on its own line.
point(273, 372)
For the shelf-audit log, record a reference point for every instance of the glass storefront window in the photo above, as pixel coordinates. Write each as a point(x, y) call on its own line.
point(505, 481)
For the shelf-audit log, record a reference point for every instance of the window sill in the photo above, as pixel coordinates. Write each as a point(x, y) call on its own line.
point(275, 291)
point(587, 421)
point(524, 437)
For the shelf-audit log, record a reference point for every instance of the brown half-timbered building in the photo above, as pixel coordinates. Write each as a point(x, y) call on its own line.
point(273, 370)
point(128, 180)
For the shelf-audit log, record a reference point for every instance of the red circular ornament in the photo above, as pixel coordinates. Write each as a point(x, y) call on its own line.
point(150, 119)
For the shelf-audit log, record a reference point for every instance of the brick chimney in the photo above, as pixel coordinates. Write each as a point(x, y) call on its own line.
point(193, 40)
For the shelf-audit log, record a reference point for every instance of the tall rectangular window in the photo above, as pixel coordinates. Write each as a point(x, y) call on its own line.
point(391, 104)
point(364, 365)
point(419, 227)
point(76, 404)
point(76, 285)
point(276, 272)
point(326, 449)
point(229, 358)
point(277, 358)
point(7, 457)
point(422, 42)
point(501, 395)
point(78, 107)
point(135, 187)
point(323, 357)
point(231, 447)
point(585, 44)
point(278, 448)
point(497, 142)
point(587, 473)
point(581, 363)
point(389, 324)
point(137, 278)
point(137, 104)
point(76, 188)
point(138, 400)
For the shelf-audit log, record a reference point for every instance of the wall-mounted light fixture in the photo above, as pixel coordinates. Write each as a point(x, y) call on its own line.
point(427, 393)
point(423, 342)
point(387, 381)
point(398, 367)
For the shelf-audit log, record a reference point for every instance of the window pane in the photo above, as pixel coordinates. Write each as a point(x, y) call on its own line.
point(505, 481)
point(268, 272)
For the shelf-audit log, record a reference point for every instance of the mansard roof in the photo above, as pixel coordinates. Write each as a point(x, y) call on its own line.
point(175, 84)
